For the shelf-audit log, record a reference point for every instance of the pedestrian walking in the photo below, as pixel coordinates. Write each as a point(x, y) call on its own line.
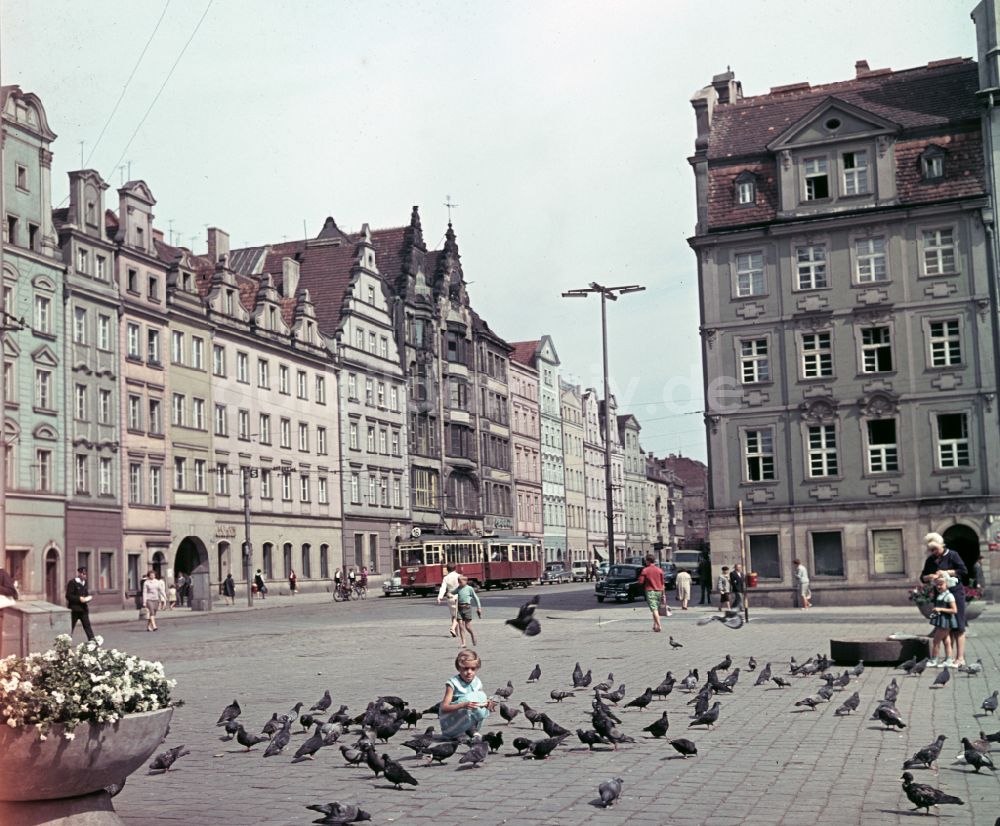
point(229, 590)
point(683, 589)
point(153, 595)
point(78, 599)
point(651, 579)
point(465, 705)
point(466, 595)
point(802, 584)
point(737, 586)
point(449, 585)
point(293, 583)
point(723, 587)
point(705, 579)
point(258, 580)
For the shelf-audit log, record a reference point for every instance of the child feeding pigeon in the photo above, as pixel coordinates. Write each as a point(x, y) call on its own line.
point(465, 705)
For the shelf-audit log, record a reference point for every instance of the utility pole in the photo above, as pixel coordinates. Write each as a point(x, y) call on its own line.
point(247, 546)
point(606, 293)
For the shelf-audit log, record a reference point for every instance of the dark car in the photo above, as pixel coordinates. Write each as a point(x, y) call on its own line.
point(621, 583)
point(669, 575)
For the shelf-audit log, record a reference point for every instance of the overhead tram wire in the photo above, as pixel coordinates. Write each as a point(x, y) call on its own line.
point(163, 85)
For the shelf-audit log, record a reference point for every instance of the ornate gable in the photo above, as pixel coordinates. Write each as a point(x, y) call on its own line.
point(833, 121)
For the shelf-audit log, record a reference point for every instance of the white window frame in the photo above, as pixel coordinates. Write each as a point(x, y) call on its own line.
point(822, 460)
point(81, 402)
point(816, 354)
point(104, 406)
point(871, 261)
point(283, 380)
point(218, 360)
point(749, 274)
point(221, 479)
point(43, 314)
point(286, 433)
point(264, 428)
point(221, 420)
point(286, 485)
point(176, 347)
point(105, 472)
point(180, 473)
point(953, 453)
point(81, 473)
point(133, 341)
point(133, 407)
point(754, 360)
point(322, 492)
point(815, 168)
point(156, 485)
point(321, 441)
point(178, 410)
point(198, 413)
point(758, 455)
point(352, 439)
point(303, 437)
point(79, 325)
point(855, 179)
point(304, 492)
point(811, 267)
point(199, 475)
point(938, 253)
point(243, 424)
point(263, 374)
point(197, 353)
point(881, 457)
point(301, 385)
point(104, 332)
point(944, 346)
point(242, 367)
point(43, 388)
point(869, 350)
point(320, 389)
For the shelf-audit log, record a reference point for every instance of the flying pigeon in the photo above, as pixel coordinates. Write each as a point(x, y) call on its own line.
point(685, 748)
point(163, 762)
point(230, 712)
point(336, 812)
point(731, 619)
point(923, 796)
point(395, 773)
point(610, 791)
point(536, 674)
point(525, 620)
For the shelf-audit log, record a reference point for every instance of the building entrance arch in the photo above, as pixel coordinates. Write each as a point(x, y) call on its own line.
point(52, 590)
point(965, 541)
point(191, 559)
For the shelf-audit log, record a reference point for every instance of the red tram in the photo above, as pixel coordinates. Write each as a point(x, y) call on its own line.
point(488, 561)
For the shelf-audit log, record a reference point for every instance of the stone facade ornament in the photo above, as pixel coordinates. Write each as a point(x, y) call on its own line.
point(819, 411)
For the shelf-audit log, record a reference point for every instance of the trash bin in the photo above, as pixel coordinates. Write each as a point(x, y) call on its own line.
point(752, 579)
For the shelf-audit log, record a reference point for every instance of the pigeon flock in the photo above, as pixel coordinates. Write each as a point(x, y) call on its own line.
point(386, 739)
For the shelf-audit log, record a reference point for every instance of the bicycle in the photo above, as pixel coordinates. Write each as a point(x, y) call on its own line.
point(342, 593)
point(360, 591)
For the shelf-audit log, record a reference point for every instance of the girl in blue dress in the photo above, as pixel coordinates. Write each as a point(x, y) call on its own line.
point(465, 705)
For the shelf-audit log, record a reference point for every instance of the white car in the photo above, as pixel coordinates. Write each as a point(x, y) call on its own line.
point(579, 571)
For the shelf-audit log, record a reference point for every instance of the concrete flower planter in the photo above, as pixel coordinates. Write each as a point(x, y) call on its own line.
point(972, 609)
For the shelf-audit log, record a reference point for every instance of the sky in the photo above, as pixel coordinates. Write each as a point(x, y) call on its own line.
point(560, 130)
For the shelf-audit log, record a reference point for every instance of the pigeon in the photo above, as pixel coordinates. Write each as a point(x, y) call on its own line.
point(927, 756)
point(891, 691)
point(421, 740)
point(525, 620)
point(410, 717)
point(247, 740)
point(849, 705)
point(441, 751)
point(974, 758)
point(520, 744)
point(610, 791)
point(590, 738)
point(531, 715)
point(395, 773)
point(941, 679)
point(337, 812)
point(923, 796)
point(309, 748)
point(982, 745)
point(764, 676)
point(605, 710)
point(617, 695)
point(552, 728)
point(690, 682)
point(323, 703)
point(375, 763)
point(683, 747)
point(990, 738)
point(341, 716)
point(559, 696)
point(781, 682)
point(587, 679)
point(230, 712)
point(990, 703)
point(476, 753)
point(752, 664)
point(859, 669)
point(352, 756)
point(386, 729)
point(919, 668)
point(536, 674)
point(606, 685)
point(508, 713)
point(664, 688)
point(577, 676)
point(972, 670)
point(824, 693)
point(659, 728)
point(306, 721)
point(674, 643)
point(731, 619)
point(294, 711)
point(505, 692)
point(843, 680)
point(709, 718)
point(732, 679)
point(272, 726)
point(163, 762)
point(809, 702)
point(641, 701)
point(280, 740)
point(541, 749)
point(889, 717)
point(906, 665)
point(494, 739)
point(606, 729)
point(725, 665)
point(232, 726)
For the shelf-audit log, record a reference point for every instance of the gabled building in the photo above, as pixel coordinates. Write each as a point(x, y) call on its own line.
point(574, 472)
point(633, 485)
point(493, 424)
point(526, 440)
point(846, 292)
point(664, 507)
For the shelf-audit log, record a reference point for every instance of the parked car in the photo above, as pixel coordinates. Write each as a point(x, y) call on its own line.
point(579, 571)
point(393, 585)
point(669, 575)
point(620, 584)
point(554, 573)
point(687, 561)
point(602, 570)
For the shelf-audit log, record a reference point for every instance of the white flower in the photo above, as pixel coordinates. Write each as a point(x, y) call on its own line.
point(69, 735)
point(12, 722)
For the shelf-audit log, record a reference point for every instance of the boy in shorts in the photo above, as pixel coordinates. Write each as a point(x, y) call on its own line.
point(466, 594)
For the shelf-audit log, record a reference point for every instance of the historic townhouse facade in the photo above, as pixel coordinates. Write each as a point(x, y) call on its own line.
point(617, 474)
point(34, 357)
point(664, 507)
point(526, 442)
point(846, 296)
point(92, 401)
point(574, 471)
point(594, 479)
point(492, 356)
point(634, 485)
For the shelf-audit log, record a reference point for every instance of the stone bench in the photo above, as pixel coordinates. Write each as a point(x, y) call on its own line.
point(29, 625)
point(878, 652)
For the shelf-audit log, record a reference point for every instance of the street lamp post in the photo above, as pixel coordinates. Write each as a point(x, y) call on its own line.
point(247, 547)
point(606, 293)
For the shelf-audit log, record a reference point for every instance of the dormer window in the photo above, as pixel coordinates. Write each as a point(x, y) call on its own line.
point(746, 189)
point(817, 178)
point(932, 163)
point(272, 318)
point(140, 238)
point(230, 302)
point(855, 166)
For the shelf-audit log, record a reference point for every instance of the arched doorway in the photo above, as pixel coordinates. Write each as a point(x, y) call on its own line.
point(224, 560)
point(191, 560)
point(159, 564)
point(965, 541)
point(52, 590)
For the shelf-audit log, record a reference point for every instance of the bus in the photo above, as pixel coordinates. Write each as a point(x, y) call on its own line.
point(488, 561)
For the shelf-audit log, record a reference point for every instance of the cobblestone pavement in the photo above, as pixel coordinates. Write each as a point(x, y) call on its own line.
point(766, 762)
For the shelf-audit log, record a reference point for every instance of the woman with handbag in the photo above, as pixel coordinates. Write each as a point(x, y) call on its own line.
point(153, 593)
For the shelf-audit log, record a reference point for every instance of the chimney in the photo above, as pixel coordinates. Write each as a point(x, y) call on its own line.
point(289, 277)
point(727, 87)
point(218, 244)
point(861, 68)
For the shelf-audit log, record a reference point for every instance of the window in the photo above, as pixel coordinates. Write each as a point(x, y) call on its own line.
point(286, 433)
point(199, 475)
point(221, 420)
point(179, 410)
point(369, 391)
point(134, 412)
point(395, 443)
point(425, 488)
point(104, 406)
point(180, 473)
point(822, 450)
point(397, 493)
point(371, 440)
point(953, 440)
point(177, 347)
point(286, 484)
point(263, 374)
point(79, 325)
point(301, 385)
point(304, 487)
point(105, 480)
point(371, 342)
point(932, 163)
point(749, 274)
point(383, 491)
point(759, 455)
point(43, 470)
point(21, 173)
point(352, 386)
point(197, 353)
point(811, 273)
point(353, 436)
point(222, 479)
point(242, 368)
point(106, 571)
point(939, 251)
point(43, 389)
point(887, 551)
point(383, 347)
point(198, 414)
point(218, 360)
point(855, 168)
point(320, 390)
point(303, 436)
point(869, 260)
point(155, 419)
point(383, 441)
point(371, 294)
point(816, 179)
point(283, 379)
point(372, 489)
point(746, 192)
point(764, 556)
point(754, 367)
point(876, 350)
point(265, 483)
point(132, 349)
point(817, 355)
point(394, 398)
point(102, 268)
point(945, 343)
point(322, 495)
point(243, 425)
point(82, 483)
point(43, 314)
point(104, 332)
point(359, 339)
point(83, 260)
point(883, 454)
point(135, 483)
point(458, 394)
point(132, 281)
point(230, 302)
point(12, 229)
point(80, 402)
point(321, 441)
point(153, 347)
point(264, 426)
point(828, 553)
point(355, 489)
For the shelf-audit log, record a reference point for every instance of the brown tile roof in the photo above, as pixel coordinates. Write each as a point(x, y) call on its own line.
point(923, 97)
point(525, 351)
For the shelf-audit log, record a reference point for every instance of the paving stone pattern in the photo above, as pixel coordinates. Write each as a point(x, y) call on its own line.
point(766, 762)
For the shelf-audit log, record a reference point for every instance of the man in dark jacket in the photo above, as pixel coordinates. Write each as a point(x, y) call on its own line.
point(78, 599)
point(705, 579)
point(737, 585)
